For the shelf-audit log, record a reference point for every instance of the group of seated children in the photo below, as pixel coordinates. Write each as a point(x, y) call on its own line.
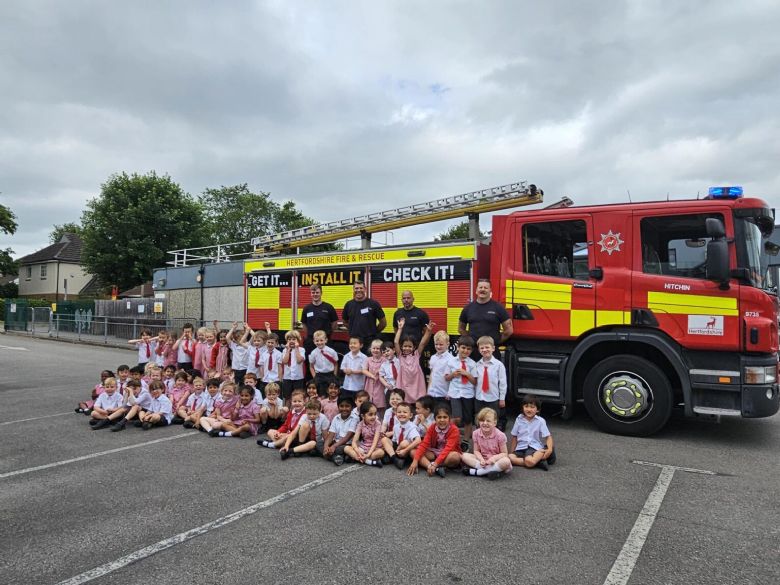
point(383, 411)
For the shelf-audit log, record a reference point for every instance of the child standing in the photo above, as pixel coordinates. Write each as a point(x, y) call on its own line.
point(310, 437)
point(439, 364)
point(291, 367)
point(353, 365)
point(270, 360)
point(185, 347)
point(342, 429)
point(373, 385)
point(239, 348)
point(462, 375)
point(245, 419)
point(209, 340)
point(389, 372)
point(323, 363)
point(491, 377)
point(255, 353)
point(146, 346)
point(410, 375)
point(440, 448)
point(490, 451)
point(365, 444)
point(532, 443)
point(220, 353)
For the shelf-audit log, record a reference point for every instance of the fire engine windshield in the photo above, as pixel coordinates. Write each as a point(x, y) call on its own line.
point(752, 228)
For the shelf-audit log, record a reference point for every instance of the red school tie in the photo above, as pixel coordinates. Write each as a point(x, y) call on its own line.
point(148, 350)
point(401, 436)
point(395, 371)
point(313, 431)
point(463, 378)
point(391, 424)
point(257, 358)
point(485, 382)
point(270, 361)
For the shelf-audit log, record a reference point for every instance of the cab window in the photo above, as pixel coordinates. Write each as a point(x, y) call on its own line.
point(675, 245)
point(556, 248)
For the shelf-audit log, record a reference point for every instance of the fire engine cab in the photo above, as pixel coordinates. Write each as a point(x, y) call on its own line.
point(637, 308)
point(634, 308)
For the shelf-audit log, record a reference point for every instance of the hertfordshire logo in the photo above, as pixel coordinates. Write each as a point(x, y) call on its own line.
point(610, 242)
point(705, 325)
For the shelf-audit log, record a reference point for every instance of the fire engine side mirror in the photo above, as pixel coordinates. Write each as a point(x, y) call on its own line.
point(715, 228)
point(718, 262)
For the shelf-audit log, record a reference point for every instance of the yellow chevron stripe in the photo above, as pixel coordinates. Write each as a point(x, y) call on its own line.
point(685, 304)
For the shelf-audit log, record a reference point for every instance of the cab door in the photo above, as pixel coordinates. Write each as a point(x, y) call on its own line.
point(670, 282)
point(548, 284)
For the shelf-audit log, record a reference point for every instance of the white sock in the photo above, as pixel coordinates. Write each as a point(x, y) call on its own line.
point(482, 471)
point(224, 434)
point(269, 444)
point(472, 471)
point(370, 462)
point(494, 467)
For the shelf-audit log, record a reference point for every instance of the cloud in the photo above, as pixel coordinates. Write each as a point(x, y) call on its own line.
point(350, 108)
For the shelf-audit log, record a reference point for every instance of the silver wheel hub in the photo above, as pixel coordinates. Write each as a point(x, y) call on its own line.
point(625, 395)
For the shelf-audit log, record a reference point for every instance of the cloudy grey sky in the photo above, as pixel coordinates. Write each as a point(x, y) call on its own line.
point(355, 107)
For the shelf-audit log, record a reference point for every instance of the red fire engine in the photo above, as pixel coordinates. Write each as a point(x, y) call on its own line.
point(632, 308)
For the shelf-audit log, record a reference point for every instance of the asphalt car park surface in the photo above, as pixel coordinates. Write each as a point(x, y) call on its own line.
point(176, 506)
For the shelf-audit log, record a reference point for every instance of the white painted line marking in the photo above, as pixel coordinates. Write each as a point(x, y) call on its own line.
point(624, 565)
point(13, 347)
point(200, 530)
point(21, 420)
point(675, 467)
point(92, 456)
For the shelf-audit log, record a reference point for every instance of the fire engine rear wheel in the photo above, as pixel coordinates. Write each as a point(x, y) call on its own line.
point(628, 395)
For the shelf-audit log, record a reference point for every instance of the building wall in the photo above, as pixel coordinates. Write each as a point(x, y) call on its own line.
point(46, 287)
point(225, 304)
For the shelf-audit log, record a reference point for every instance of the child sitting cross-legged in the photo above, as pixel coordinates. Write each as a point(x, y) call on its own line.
point(310, 437)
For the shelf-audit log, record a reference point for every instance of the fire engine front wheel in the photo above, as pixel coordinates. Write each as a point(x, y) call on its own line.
point(628, 395)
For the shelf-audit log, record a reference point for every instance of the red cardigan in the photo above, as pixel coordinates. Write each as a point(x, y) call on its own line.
point(452, 443)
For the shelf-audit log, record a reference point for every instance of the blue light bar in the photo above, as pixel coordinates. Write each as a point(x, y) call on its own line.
point(725, 192)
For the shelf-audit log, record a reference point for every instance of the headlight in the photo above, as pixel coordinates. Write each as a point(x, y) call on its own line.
point(760, 375)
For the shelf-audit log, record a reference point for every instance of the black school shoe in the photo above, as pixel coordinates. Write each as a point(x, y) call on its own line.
point(244, 435)
point(138, 424)
point(338, 460)
point(93, 422)
point(543, 465)
point(284, 454)
point(101, 424)
point(120, 426)
point(400, 462)
point(177, 420)
point(188, 424)
point(493, 475)
point(440, 471)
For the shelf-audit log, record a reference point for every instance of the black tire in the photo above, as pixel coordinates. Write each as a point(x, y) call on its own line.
point(656, 391)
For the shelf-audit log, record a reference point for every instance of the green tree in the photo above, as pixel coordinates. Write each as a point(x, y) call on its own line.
point(459, 231)
point(66, 228)
point(8, 225)
point(130, 226)
point(236, 214)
